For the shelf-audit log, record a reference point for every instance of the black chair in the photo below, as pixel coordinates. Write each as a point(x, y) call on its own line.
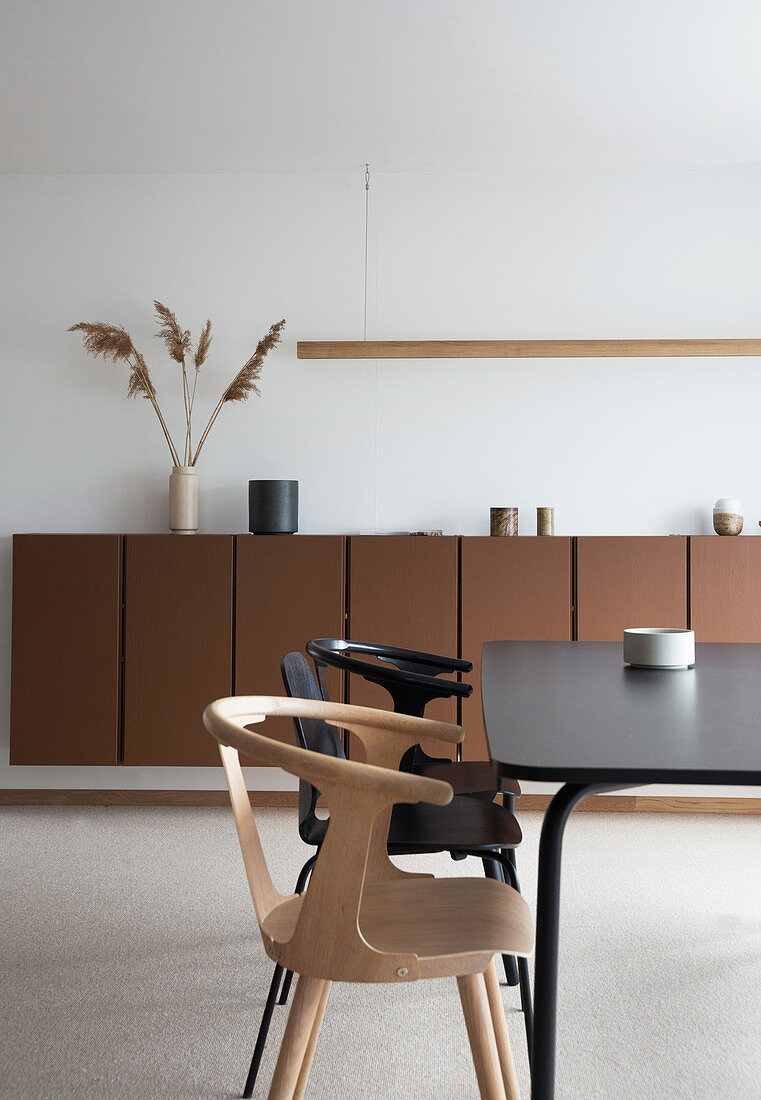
point(412, 683)
point(467, 826)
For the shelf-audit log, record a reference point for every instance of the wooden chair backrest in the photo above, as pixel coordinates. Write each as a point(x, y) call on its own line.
point(327, 941)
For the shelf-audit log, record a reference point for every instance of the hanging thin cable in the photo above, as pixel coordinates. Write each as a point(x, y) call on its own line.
point(377, 364)
point(367, 222)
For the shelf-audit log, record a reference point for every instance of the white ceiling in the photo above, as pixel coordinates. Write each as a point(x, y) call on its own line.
point(410, 85)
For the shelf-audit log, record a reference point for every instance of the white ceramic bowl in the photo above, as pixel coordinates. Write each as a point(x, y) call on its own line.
point(659, 647)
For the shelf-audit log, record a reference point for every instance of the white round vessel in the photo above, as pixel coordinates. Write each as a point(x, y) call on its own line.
point(659, 647)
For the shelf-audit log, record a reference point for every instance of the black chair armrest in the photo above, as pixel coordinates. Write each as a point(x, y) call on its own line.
point(412, 660)
point(402, 685)
point(409, 660)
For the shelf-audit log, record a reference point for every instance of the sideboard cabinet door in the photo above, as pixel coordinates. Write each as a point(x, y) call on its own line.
point(513, 589)
point(66, 649)
point(177, 644)
point(725, 576)
point(403, 592)
point(630, 581)
point(290, 588)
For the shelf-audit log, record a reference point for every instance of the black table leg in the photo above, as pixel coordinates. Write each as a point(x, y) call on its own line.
point(547, 927)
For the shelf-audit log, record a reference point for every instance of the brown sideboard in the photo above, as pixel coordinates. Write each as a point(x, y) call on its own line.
point(119, 641)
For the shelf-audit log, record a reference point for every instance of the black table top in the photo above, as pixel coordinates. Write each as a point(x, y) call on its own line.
point(573, 712)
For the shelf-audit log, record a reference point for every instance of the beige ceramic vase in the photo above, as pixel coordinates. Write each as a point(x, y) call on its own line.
point(183, 500)
point(727, 516)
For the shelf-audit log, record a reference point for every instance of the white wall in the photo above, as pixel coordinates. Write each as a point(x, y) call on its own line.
point(618, 446)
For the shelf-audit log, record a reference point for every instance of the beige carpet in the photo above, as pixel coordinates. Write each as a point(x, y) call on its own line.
point(131, 966)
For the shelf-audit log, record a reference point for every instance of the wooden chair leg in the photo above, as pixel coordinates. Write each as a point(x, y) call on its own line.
point(306, 1065)
point(483, 1045)
point(499, 1023)
point(298, 1033)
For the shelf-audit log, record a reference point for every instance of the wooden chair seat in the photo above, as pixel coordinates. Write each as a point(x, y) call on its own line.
point(470, 777)
point(458, 913)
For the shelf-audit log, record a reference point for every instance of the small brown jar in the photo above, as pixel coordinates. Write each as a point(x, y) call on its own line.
point(503, 521)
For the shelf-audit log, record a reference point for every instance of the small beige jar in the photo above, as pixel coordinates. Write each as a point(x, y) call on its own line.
point(727, 516)
point(545, 521)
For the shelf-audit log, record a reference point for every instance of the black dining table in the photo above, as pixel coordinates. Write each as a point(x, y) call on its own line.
point(574, 713)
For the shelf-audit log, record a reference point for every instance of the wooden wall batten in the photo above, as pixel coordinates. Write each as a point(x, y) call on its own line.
point(289, 589)
point(522, 349)
point(178, 641)
point(65, 680)
point(627, 581)
point(512, 589)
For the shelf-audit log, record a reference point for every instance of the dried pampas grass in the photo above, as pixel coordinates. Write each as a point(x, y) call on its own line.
point(203, 346)
point(106, 340)
point(114, 343)
point(245, 380)
point(177, 341)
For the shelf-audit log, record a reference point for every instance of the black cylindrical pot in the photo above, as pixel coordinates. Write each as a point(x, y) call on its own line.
point(273, 507)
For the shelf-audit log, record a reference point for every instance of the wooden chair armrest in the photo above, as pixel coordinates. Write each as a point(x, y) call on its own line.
point(347, 717)
point(402, 725)
point(227, 720)
point(386, 735)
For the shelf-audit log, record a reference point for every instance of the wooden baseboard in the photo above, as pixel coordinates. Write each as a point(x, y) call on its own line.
point(650, 804)
point(600, 803)
point(140, 798)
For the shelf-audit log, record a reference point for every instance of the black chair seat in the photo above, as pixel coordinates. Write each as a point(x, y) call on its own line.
point(469, 777)
point(466, 823)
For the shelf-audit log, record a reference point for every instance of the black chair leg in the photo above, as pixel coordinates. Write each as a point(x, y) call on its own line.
point(283, 998)
point(527, 1004)
point(510, 967)
point(272, 997)
point(493, 870)
point(301, 882)
point(264, 1027)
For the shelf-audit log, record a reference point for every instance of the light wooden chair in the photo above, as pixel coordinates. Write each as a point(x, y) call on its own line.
point(361, 918)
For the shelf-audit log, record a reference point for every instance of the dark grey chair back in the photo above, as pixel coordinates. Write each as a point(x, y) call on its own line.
point(313, 734)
